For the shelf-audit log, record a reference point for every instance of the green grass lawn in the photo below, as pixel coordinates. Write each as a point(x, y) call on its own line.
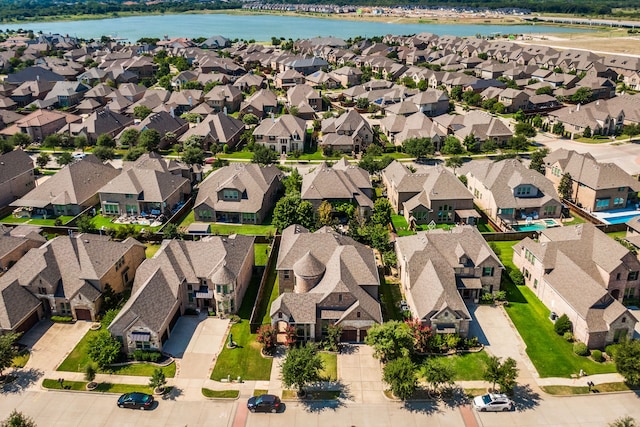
point(317, 155)
point(390, 297)
point(10, 219)
point(261, 251)
point(246, 360)
point(575, 220)
point(187, 221)
point(151, 249)
point(563, 390)
point(104, 221)
point(402, 228)
point(272, 289)
point(248, 229)
point(102, 387)
point(617, 234)
point(330, 371)
point(79, 358)
point(244, 154)
point(468, 366)
point(220, 394)
point(485, 228)
point(550, 353)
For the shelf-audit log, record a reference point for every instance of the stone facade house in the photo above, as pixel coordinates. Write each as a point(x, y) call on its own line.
point(210, 275)
point(325, 278)
point(239, 194)
point(440, 269)
point(16, 176)
point(283, 135)
point(595, 186)
point(349, 133)
point(581, 272)
point(16, 242)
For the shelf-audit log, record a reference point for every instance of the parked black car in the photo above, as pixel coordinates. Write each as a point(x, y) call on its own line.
point(264, 403)
point(135, 401)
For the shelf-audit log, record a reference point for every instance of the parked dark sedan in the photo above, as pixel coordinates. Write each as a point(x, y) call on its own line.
point(264, 403)
point(135, 401)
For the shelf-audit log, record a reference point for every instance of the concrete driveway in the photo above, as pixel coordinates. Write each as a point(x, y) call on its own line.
point(361, 374)
point(494, 329)
point(50, 343)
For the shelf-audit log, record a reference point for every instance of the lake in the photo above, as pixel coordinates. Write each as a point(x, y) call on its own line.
point(261, 27)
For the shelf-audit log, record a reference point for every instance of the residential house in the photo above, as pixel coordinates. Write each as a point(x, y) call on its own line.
point(101, 122)
point(16, 176)
point(225, 98)
point(249, 82)
point(241, 193)
point(168, 124)
point(596, 116)
point(441, 269)
point(325, 279)
point(260, 104)
point(481, 125)
point(514, 100)
point(342, 183)
point(347, 76)
point(219, 129)
point(581, 272)
point(209, 275)
point(142, 188)
point(69, 274)
point(70, 191)
point(322, 80)
point(507, 191)
point(431, 194)
point(284, 134)
point(288, 79)
point(350, 132)
point(41, 123)
point(432, 102)
point(16, 242)
point(306, 100)
point(595, 186)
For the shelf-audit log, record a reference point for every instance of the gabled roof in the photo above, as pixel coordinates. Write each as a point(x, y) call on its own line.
point(326, 183)
point(13, 164)
point(220, 127)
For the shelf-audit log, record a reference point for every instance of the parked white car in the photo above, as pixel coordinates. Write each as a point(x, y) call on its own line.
point(493, 402)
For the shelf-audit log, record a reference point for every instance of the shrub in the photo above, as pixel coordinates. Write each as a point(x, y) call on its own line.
point(580, 349)
point(562, 325)
point(487, 298)
point(611, 350)
point(154, 356)
point(138, 355)
point(568, 336)
point(500, 296)
point(516, 277)
point(62, 319)
point(597, 356)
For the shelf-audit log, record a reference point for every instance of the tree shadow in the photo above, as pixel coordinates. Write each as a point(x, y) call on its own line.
point(475, 330)
point(23, 379)
point(525, 398)
point(426, 407)
point(348, 349)
point(173, 394)
point(327, 390)
point(454, 397)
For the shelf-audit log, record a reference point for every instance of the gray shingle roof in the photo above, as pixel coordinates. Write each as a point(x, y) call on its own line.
point(326, 183)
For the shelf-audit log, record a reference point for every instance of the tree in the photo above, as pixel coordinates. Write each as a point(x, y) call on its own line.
point(437, 372)
point(193, 156)
point(267, 337)
point(104, 153)
point(382, 211)
point(502, 373)
point(64, 158)
point(43, 159)
point(565, 186)
point(325, 217)
point(518, 143)
point(456, 93)
point(149, 139)
point(80, 142)
point(17, 419)
point(158, 380)
point(452, 146)
point(624, 422)
point(422, 335)
point(334, 333)
point(293, 183)
point(129, 137)
point(584, 95)
point(263, 155)
point(52, 141)
point(558, 128)
point(526, 129)
point(85, 224)
point(537, 160)
point(519, 116)
point(285, 212)
point(390, 340)
point(90, 372)
point(305, 214)
point(400, 374)
point(587, 132)
point(6, 146)
point(470, 142)
point(105, 140)
point(142, 111)
point(544, 90)
point(20, 139)
point(8, 350)
point(133, 154)
point(453, 162)
point(103, 349)
point(250, 119)
point(418, 147)
point(170, 231)
point(628, 361)
point(301, 366)
point(562, 325)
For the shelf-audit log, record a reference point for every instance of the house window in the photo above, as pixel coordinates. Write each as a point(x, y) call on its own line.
point(119, 263)
point(622, 188)
point(129, 196)
point(550, 210)
point(339, 297)
point(132, 209)
point(285, 274)
point(629, 293)
point(230, 195)
point(111, 209)
point(618, 276)
point(487, 272)
point(42, 290)
point(249, 217)
point(357, 314)
point(535, 283)
point(633, 275)
point(618, 201)
point(205, 213)
point(624, 320)
point(602, 203)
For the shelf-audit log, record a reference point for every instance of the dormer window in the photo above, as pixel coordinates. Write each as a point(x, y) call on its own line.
point(230, 194)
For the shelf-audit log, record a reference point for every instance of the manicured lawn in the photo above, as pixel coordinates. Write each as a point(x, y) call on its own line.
point(259, 391)
point(317, 155)
point(246, 360)
point(151, 249)
point(485, 228)
point(468, 366)
point(187, 221)
point(271, 289)
point(330, 371)
point(248, 229)
point(105, 221)
point(617, 234)
point(244, 154)
point(102, 387)
point(79, 358)
point(390, 297)
point(576, 220)
point(550, 353)
point(402, 228)
point(10, 219)
point(261, 251)
point(396, 155)
point(220, 394)
point(561, 390)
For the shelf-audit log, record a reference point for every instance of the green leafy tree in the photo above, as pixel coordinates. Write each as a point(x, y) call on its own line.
point(401, 376)
point(64, 158)
point(526, 129)
point(158, 379)
point(286, 211)
point(518, 143)
point(20, 139)
point(17, 419)
point(141, 112)
point(334, 333)
point(103, 348)
point(362, 103)
point(502, 373)
point(626, 421)
point(382, 211)
point(325, 214)
point(418, 147)
point(537, 121)
point(390, 340)
point(301, 366)
point(627, 360)
point(52, 141)
point(104, 153)
point(471, 143)
point(587, 132)
point(171, 231)
point(456, 93)
point(149, 139)
point(584, 95)
point(558, 128)
point(537, 160)
point(43, 159)
point(133, 154)
point(293, 183)
point(452, 146)
point(250, 119)
point(129, 137)
point(453, 162)
point(85, 224)
point(437, 372)
point(565, 186)
point(8, 350)
point(305, 214)
point(90, 372)
point(6, 146)
point(519, 116)
point(263, 155)
point(80, 142)
point(193, 155)
point(544, 90)
point(105, 140)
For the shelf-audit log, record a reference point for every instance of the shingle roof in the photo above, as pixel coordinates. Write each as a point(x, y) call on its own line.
point(13, 164)
point(326, 183)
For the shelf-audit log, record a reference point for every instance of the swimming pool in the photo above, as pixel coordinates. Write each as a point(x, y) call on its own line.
point(529, 227)
point(619, 219)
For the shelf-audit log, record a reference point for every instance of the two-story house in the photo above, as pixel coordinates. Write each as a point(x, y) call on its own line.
point(16, 176)
point(284, 134)
point(225, 98)
point(349, 133)
point(581, 272)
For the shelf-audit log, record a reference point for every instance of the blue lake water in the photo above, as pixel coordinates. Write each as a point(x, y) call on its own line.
point(262, 27)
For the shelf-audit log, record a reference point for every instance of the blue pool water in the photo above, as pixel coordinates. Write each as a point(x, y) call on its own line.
point(530, 227)
point(619, 219)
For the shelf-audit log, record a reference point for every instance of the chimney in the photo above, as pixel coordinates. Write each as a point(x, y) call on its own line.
point(172, 112)
point(224, 110)
point(190, 102)
point(38, 77)
point(578, 107)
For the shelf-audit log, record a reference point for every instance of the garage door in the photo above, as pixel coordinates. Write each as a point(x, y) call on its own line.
point(83, 314)
point(28, 323)
point(349, 335)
